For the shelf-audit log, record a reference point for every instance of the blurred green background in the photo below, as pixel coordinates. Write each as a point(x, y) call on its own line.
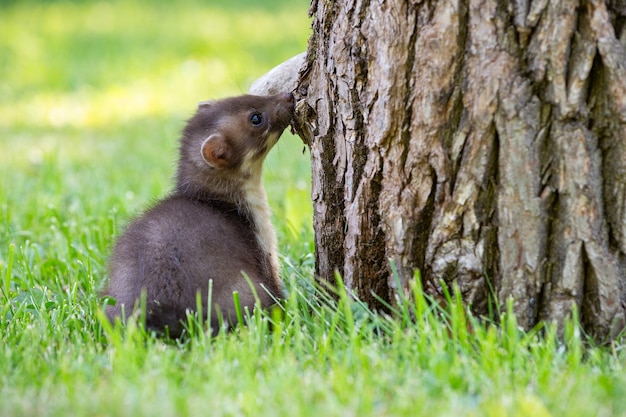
point(93, 95)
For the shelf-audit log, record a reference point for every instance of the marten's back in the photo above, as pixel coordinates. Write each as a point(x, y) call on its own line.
point(175, 249)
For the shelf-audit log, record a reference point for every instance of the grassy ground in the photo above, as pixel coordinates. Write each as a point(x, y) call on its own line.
point(92, 96)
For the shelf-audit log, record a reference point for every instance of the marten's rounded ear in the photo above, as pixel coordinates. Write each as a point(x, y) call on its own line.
point(205, 104)
point(216, 151)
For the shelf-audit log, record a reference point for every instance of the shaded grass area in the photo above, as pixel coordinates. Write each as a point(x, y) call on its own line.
point(92, 97)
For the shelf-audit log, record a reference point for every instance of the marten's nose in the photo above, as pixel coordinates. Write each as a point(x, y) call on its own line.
point(286, 97)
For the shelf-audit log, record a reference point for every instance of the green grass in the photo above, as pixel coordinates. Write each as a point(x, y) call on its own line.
point(92, 97)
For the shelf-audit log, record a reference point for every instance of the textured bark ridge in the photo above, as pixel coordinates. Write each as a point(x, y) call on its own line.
point(482, 142)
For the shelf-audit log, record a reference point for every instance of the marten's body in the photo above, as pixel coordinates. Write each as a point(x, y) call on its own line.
point(214, 227)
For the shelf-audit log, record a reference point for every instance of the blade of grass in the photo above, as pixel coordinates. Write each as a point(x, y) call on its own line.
point(8, 273)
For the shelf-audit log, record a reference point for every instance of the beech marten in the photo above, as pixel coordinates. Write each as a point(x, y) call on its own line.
point(215, 225)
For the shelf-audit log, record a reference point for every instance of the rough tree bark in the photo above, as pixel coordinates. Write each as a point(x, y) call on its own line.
point(482, 142)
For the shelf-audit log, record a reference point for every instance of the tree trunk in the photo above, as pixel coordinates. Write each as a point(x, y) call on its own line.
point(481, 142)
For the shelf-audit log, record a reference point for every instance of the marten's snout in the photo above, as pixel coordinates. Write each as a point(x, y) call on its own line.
point(287, 97)
point(284, 109)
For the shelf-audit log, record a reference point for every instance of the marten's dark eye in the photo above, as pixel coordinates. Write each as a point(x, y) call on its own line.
point(256, 119)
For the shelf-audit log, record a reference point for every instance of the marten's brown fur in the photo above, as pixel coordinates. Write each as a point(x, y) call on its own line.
point(214, 226)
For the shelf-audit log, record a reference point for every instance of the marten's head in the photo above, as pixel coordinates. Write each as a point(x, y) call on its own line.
point(225, 142)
